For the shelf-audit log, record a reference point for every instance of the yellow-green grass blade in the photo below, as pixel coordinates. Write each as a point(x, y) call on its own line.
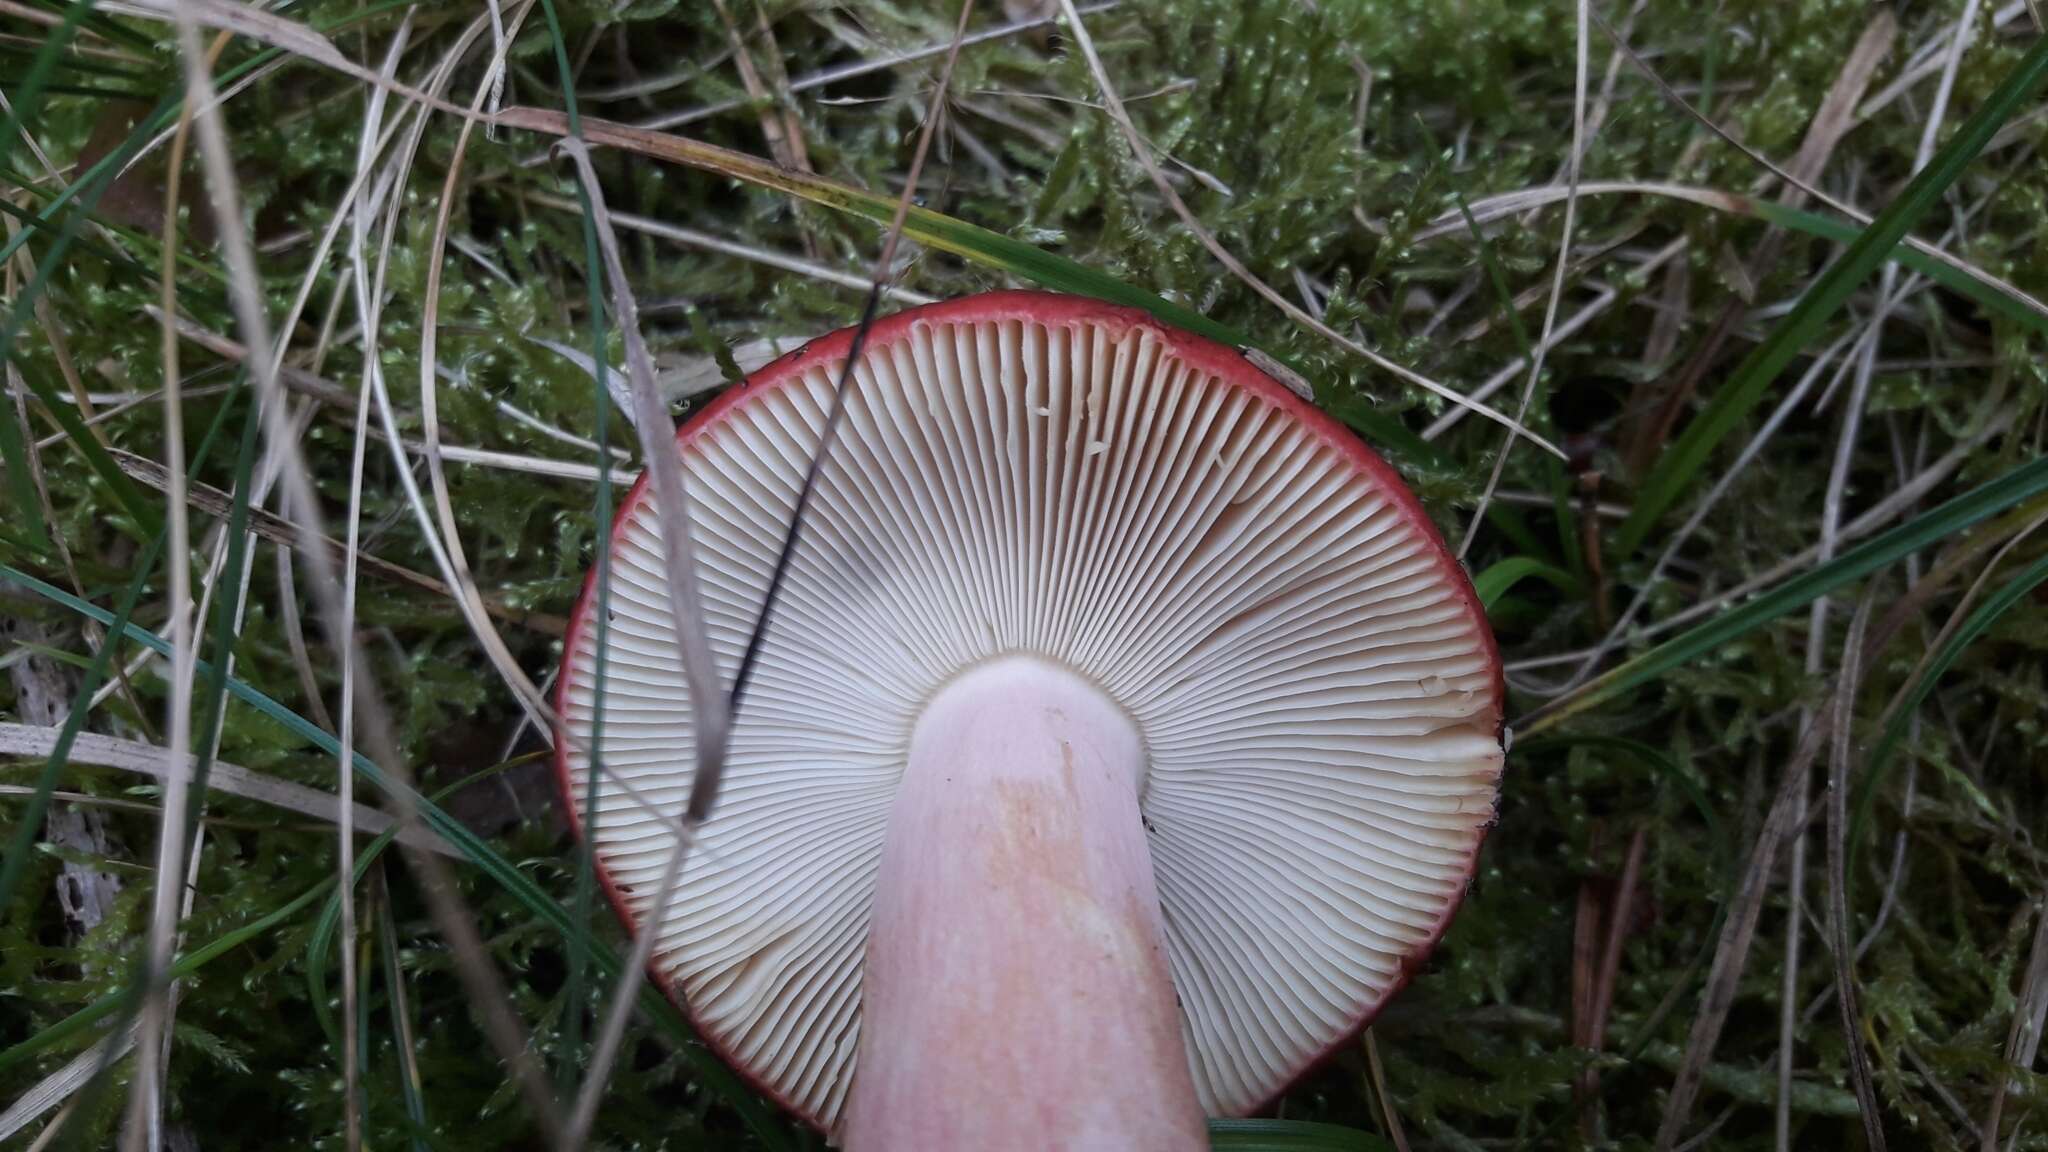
point(948, 234)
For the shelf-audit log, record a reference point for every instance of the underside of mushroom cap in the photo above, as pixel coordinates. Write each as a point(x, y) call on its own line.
point(1315, 684)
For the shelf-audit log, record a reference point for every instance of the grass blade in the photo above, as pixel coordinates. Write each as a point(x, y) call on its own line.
point(573, 990)
point(1290, 1136)
point(1684, 459)
point(1494, 583)
point(1986, 500)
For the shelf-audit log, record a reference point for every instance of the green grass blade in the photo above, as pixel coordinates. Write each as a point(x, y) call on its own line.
point(1975, 625)
point(1494, 583)
point(1291, 1136)
point(404, 1025)
point(1946, 275)
point(1986, 500)
point(1683, 460)
point(711, 1073)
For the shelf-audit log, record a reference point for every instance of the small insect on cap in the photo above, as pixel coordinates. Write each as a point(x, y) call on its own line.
point(1122, 739)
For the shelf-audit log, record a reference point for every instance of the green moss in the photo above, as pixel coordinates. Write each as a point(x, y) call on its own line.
point(1468, 98)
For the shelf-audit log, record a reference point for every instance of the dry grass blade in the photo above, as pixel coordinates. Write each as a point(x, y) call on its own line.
point(1395, 1133)
point(289, 35)
point(660, 455)
point(2029, 1018)
point(473, 964)
point(98, 751)
point(778, 126)
point(62, 1085)
point(242, 20)
point(1564, 255)
point(1731, 951)
point(1843, 725)
point(710, 710)
point(1114, 104)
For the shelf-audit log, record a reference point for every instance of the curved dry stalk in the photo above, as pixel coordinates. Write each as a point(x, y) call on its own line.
point(1115, 106)
point(450, 552)
point(1564, 254)
point(711, 710)
point(699, 673)
point(667, 471)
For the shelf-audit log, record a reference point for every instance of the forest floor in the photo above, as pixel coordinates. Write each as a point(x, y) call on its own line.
point(1772, 616)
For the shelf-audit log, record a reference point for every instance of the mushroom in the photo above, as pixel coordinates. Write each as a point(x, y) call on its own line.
point(1122, 739)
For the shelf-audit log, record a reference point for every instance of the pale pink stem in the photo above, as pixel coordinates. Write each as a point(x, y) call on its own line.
point(1016, 994)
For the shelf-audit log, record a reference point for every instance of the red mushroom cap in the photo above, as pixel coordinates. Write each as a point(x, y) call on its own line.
point(1318, 691)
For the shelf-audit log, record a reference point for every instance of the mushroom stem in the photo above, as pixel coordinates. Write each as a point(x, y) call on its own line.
point(1016, 992)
